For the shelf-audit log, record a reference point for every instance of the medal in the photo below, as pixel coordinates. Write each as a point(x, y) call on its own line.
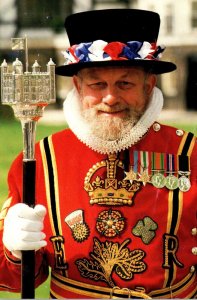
point(172, 182)
point(158, 180)
point(144, 177)
point(144, 164)
point(184, 181)
point(131, 176)
point(184, 184)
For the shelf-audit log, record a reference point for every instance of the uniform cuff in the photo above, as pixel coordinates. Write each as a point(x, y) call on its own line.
point(11, 258)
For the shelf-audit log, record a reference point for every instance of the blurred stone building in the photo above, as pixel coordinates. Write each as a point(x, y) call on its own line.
point(42, 22)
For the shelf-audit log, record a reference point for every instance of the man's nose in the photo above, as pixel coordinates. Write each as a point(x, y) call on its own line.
point(110, 97)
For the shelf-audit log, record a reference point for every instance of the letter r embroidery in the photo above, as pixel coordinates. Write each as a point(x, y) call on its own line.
point(170, 248)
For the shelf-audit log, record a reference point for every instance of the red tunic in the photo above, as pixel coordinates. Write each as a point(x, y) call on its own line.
point(110, 234)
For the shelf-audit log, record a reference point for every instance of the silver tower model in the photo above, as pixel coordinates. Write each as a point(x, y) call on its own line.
point(28, 93)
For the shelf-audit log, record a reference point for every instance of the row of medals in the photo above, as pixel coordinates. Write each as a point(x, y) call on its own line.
point(159, 180)
point(171, 181)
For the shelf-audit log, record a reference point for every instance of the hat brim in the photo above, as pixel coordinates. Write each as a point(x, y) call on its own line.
point(153, 66)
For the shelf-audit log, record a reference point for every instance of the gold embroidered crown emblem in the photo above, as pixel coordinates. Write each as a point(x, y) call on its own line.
point(113, 189)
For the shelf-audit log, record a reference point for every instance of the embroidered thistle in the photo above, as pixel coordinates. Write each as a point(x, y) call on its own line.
point(109, 257)
point(80, 230)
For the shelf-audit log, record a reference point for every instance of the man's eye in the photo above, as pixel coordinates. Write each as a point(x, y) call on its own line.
point(97, 85)
point(125, 84)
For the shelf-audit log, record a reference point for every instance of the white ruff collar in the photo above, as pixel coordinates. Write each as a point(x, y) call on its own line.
point(72, 112)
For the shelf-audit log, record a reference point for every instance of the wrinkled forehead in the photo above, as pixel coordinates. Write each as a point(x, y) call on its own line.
point(120, 70)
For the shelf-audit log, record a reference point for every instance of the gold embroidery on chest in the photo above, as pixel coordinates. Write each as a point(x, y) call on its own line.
point(80, 230)
point(59, 255)
point(110, 223)
point(145, 229)
point(108, 189)
point(109, 258)
point(171, 246)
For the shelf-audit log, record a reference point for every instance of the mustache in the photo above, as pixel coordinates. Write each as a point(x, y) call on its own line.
point(115, 108)
point(131, 111)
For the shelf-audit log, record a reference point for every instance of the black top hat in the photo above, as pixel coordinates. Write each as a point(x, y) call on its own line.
point(113, 37)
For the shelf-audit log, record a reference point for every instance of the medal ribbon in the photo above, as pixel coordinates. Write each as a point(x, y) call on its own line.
point(144, 161)
point(183, 162)
point(170, 163)
point(135, 161)
point(157, 161)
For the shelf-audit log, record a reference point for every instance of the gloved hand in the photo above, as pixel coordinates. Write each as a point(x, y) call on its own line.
point(23, 227)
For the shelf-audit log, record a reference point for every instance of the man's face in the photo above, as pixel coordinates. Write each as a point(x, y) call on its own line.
point(113, 97)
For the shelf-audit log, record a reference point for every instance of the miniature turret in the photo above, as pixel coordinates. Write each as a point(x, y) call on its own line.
point(51, 71)
point(36, 67)
point(17, 66)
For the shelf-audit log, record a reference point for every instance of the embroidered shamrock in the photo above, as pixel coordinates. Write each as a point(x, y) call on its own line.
point(145, 229)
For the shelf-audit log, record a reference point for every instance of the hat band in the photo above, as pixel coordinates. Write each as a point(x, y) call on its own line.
point(100, 50)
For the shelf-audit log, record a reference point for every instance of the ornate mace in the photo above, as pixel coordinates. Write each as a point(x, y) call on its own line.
point(28, 93)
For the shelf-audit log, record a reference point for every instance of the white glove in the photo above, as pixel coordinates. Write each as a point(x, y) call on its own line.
point(23, 228)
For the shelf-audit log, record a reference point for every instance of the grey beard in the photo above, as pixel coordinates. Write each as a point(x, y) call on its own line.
point(81, 128)
point(110, 129)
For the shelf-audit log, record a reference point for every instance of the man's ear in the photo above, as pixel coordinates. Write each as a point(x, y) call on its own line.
point(76, 82)
point(150, 83)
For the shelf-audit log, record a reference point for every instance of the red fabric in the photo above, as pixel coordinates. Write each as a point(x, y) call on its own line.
point(74, 159)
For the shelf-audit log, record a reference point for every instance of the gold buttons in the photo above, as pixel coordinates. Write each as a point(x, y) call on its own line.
point(194, 250)
point(194, 231)
point(179, 132)
point(192, 269)
point(156, 126)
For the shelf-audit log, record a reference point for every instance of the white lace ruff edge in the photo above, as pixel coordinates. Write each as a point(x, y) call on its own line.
point(72, 113)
